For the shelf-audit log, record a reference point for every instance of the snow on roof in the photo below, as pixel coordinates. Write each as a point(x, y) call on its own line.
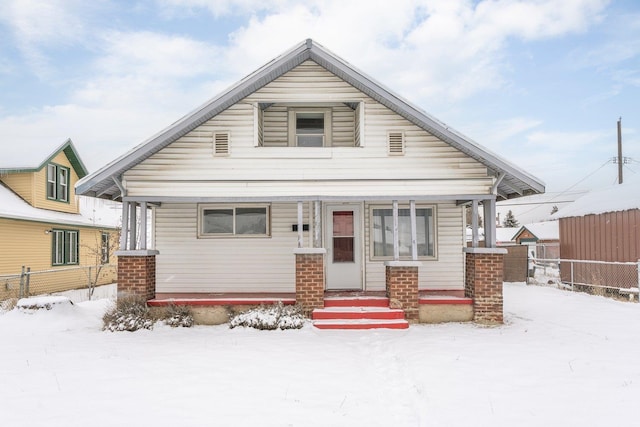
point(546, 230)
point(619, 197)
point(32, 155)
point(506, 234)
point(14, 207)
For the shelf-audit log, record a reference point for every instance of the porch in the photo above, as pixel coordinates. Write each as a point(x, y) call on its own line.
point(328, 241)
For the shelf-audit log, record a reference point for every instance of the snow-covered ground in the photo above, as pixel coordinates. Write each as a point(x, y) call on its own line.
point(561, 359)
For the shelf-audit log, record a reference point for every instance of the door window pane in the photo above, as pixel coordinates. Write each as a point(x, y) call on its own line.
point(343, 236)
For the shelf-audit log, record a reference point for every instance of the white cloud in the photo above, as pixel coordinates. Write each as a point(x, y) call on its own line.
point(40, 24)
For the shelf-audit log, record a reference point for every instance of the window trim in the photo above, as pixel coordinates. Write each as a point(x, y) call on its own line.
point(61, 190)
point(291, 117)
point(70, 255)
point(202, 207)
point(105, 247)
point(373, 257)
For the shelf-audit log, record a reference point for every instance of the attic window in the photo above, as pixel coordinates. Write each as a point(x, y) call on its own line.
point(396, 143)
point(221, 143)
point(309, 127)
point(57, 183)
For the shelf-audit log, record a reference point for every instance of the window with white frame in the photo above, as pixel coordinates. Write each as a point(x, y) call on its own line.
point(310, 127)
point(57, 182)
point(382, 232)
point(105, 247)
point(233, 221)
point(65, 245)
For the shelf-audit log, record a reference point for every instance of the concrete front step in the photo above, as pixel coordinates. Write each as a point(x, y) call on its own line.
point(361, 324)
point(357, 313)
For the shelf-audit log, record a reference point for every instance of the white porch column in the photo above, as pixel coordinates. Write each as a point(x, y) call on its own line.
point(396, 243)
point(300, 225)
point(132, 225)
point(125, 226)
point(317, 224)
point(489, 207)
point(474, 224)
point(142, 241)
point(414, 234)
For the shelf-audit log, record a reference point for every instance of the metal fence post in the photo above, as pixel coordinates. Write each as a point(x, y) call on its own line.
point(20, 293)
point(638, 268)
point(572, 275)
point(89, 275)
point(28, 282)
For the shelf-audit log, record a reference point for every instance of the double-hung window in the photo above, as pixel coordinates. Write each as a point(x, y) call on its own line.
point(65, 245)
point(105, 248)
point(233, 221)
point(57, 182)
point(382, 232)
point(310, 127)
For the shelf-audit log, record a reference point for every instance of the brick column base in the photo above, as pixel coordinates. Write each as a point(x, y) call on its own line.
point(137, 274)
point(310, 278)
point(483, 283)
point(402, 287)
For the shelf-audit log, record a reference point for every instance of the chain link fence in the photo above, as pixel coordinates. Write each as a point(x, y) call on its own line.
point(29, 283)
point(612, 279)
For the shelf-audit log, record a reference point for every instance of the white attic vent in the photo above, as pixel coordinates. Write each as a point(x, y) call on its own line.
point(396, 143)
point(221, 144)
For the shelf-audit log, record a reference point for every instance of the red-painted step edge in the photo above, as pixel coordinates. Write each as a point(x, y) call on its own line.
point(346, 324)
point(356, 302)
point(357, 313)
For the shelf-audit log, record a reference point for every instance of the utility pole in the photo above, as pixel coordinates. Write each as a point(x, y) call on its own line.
point(620, 159)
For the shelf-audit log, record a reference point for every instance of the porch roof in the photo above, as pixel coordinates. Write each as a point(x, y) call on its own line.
point(515, 182)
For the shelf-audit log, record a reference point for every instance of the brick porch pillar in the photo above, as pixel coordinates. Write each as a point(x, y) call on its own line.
point(483, 283)
point(137, 274)
point(402, 287)
point(310, 278)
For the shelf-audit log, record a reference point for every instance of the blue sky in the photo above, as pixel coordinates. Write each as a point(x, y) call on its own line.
point(542, 83)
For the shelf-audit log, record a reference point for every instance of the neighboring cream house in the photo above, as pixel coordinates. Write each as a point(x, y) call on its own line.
point(306, 177)
point(41, 226)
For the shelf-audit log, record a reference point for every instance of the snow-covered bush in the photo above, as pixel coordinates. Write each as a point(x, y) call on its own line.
point(278, 316)
point(178, 315)
point(129, 314)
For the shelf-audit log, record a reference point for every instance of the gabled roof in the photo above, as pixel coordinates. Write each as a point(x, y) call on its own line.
point(546, 230)
point(618, 197)
point(505, 234)
point(37, 161)
point(515, 182)
point(14, 207)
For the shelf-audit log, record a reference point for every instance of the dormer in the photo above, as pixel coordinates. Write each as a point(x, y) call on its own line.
point(49, 183)
point(308, 124)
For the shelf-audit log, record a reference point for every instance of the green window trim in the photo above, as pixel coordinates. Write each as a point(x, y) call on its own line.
point(65, 247)
point(105, 247)
point(58, 182)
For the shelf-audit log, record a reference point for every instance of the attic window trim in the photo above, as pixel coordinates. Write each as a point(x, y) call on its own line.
point(292, 113)
point(57, 186)
point(221, 143)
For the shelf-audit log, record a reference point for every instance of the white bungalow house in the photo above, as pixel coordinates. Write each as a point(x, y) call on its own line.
point(307, 177)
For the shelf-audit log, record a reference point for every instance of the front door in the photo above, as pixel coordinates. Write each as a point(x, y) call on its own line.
point(344, 246)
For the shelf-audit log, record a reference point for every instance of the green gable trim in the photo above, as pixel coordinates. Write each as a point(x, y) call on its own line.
point(69, 150)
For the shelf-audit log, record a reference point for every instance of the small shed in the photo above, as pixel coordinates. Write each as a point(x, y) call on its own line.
point(543, 239)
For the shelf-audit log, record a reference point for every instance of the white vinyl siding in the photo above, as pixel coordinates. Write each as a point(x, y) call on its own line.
point(189, 264)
